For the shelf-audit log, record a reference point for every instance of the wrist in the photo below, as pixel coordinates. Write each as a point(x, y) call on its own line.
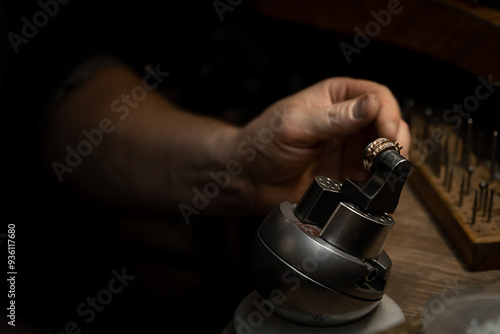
point(227, 182)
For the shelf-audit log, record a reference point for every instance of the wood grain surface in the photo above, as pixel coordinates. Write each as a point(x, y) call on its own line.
point(465, 35)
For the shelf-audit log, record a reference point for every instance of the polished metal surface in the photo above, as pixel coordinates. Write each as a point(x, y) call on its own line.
point(322, 285)
point(301, 246)
point(299, 298)
point(255, 315)
point(357, 232)
point(319, 201)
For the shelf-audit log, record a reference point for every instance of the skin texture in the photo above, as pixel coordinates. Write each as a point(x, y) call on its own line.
point(325, 130)
point(157, 154)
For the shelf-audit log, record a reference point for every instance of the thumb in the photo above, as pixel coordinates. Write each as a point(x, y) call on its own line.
point(308, 126)
point(348, 117)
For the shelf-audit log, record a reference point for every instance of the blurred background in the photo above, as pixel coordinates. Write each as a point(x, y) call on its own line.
point(226, 59)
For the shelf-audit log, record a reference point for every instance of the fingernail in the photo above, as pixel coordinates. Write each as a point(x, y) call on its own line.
point(360, 109)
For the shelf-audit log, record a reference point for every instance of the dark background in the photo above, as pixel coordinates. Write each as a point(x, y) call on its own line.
point(231, 69)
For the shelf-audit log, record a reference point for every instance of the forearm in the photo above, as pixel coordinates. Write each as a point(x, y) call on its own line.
point(151, 155)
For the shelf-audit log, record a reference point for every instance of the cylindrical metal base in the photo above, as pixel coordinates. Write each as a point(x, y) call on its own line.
point(310, 281)
point(254, 315)
point(301, 299)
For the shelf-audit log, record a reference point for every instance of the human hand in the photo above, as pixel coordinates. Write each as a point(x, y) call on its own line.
point(321, 130)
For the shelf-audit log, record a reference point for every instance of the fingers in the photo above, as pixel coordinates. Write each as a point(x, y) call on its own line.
point(350, 117)
point(310, 125)
point(403, 137)
point(338, 95)
point(388, 120)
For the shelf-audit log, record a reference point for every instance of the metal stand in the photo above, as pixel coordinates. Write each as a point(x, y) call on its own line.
point(252, 317)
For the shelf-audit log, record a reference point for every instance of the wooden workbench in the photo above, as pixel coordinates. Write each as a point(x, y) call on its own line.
point(425, 264)
point(456, 31)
